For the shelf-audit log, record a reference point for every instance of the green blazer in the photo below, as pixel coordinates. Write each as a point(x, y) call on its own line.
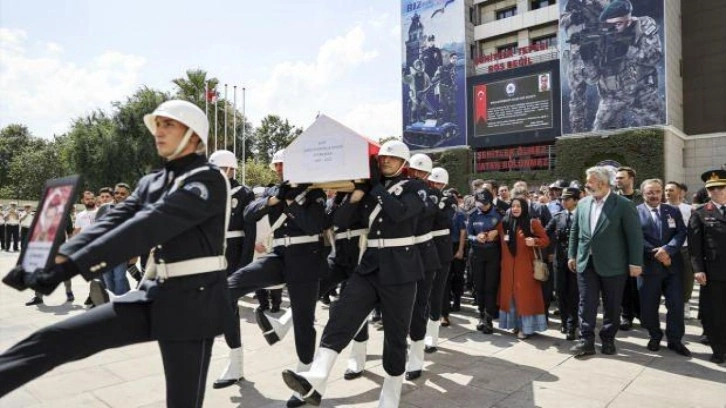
point(617, 241)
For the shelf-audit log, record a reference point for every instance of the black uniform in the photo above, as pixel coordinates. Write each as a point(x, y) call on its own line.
point(446, 205)
point(430, 259)
point(386, 273)
point(298, 265)
point(707, 244)
point(182, 221)
point(631, 298)
point(240, 248)
point(567, 292)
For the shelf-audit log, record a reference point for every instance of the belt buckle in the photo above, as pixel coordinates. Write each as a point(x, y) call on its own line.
point(349, 234)
point(287, 241)
point(381, 242)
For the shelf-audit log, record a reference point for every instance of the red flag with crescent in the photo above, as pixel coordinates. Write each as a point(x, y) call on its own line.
point(480, 103)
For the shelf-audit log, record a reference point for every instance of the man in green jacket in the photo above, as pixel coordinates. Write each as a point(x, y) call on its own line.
point(606, 246)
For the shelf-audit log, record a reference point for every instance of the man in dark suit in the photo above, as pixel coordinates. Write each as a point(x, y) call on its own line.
point(625, 183)
point(606, 246)
point(707, 243)
point(663, 235)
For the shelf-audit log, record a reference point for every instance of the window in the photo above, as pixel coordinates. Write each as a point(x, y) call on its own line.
point(508, 12)
point(537, 4)
point(506, 48)
point(549, 41)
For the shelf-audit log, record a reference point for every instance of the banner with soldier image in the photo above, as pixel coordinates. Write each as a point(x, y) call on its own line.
point(433, 73)
point(612, 64)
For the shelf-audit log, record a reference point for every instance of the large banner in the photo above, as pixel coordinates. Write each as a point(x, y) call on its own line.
point(612, 64)
point(434, 73)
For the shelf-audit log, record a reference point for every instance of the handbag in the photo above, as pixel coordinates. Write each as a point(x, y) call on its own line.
point(541, 272)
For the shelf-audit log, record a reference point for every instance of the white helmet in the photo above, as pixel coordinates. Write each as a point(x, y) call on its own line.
point(421, 162)
point(395, 148)
point(258, 191)
point(183, 112)
point(278, 157)
point(439, 175)
point(223, 158)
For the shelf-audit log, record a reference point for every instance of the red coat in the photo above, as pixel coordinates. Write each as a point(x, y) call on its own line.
point(517, 273)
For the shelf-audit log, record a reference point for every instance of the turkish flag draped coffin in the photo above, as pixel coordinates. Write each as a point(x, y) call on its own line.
point(327, 153)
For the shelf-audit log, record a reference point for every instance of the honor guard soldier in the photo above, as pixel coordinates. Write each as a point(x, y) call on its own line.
point(2, 228)
point(239, 254)
point(12, 227)
point(297, 259)
point(567, 293)
point(707, 243)
point(441, 231)
point(26, 220)
point(182, 303)
point(419, 168)
point(387, 273)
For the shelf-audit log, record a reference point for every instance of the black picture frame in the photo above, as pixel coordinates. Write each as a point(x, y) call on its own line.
point(47, 231)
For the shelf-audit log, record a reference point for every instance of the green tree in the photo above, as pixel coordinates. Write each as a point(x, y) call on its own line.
point(92, 149)
point(257, 173)
point(272, 135)
point(31, 167)
point(14, 138)
point(192, 87)
point(388, 138)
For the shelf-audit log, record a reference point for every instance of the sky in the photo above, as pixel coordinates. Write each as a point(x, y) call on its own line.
point(62, 59)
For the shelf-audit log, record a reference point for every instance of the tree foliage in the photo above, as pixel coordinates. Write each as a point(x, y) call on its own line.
point(273, 134)
point(257, 173)
point(31, 167)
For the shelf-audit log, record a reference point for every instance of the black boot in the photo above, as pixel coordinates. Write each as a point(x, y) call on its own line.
point(456, 306)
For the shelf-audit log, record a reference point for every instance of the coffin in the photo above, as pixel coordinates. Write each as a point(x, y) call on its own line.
point(329, 155)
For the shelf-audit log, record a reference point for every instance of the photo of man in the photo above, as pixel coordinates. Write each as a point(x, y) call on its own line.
point(544, 82)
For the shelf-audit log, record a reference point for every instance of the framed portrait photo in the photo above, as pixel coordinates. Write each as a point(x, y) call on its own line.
point(47, 232)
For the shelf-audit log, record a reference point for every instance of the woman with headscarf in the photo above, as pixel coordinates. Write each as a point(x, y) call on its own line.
point(521, 306)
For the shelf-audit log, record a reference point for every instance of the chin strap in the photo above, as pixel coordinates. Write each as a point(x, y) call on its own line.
point(182, 145)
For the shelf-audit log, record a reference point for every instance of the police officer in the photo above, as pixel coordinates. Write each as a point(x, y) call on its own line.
point(182, 302)
point(238, 254)
point(567, 293)
point(441, 232)
point(420, 166)
point(297, 259)
point(388, 271)
point(707, 243)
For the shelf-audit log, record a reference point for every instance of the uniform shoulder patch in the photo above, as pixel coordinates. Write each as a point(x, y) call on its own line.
point(422, 194)
point(197, 188)
point(648, 25)
point(235, 202)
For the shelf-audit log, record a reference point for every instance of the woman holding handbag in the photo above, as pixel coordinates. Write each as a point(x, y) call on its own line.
point(520, 295)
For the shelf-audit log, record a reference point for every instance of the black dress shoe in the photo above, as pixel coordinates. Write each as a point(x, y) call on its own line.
point(352, 375)
point(301, 386)
point(294, 402)
point(571, 335)
point(680, 348)
point(653, 345)
point(430, 349)
point(412, 375)
point(583, 348)
point(626, 325)
point(226, 383)
point(264, 324)
point(70, 297)
point(445, 321)
point(608, 348)
point(717, 358)
point(275, 309)
point(36, 300)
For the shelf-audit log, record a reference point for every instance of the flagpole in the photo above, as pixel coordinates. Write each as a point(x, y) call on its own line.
point(225, 117)
point(216, 120)
point(244, 122)
point(206, 113)
point(234, 122)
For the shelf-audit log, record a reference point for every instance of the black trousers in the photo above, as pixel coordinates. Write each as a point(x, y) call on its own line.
point(268, 271)
point(105, 327)
point(631, 299)
point(548, 288)
point(439, 294)
point(454, 282)
point(714, 318)
point(3, 229)
point(12, 234)
point(267, 296)
point(361, 294)
point(485, 266)
point(420, 315)
point(651, 287)
point(24, 231)
point(591, 287)
point(340, 274)
point(568, 296)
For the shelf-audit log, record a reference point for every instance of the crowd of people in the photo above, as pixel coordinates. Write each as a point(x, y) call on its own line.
point(400, 246)
point(14, 226)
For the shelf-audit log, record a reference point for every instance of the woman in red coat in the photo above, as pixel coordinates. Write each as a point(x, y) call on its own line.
point(520, 295)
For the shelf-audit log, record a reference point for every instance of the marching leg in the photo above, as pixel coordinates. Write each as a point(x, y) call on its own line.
point(234, 371)
point(432, 336)
point(357, 359)
point(297, 400)
point(391, 392)
point(185, 365)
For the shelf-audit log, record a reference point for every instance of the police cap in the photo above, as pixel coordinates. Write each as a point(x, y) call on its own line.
point(484, 197)
point(618, 8)
point(559, 184)
point(714, 178)
point(571, 192)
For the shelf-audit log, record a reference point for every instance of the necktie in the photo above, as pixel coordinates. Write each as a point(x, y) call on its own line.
point(656, 222)
point(723, 210)
point(569, 219)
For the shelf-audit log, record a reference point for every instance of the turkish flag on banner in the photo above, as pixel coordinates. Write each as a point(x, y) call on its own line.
point(480, 103)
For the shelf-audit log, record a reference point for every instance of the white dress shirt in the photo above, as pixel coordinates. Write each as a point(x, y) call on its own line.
point(596, 211)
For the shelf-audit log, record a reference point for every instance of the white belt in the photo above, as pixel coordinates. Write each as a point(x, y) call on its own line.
point(423, 238)
point(390, 242)
point(440, 233)
point(191, 267)
point(350, 234)
point(235, 234)
point(287, 241)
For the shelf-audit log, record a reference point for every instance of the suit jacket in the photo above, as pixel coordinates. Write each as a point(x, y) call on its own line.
point(616, 242)
point(707, 242)
point(670, 238)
